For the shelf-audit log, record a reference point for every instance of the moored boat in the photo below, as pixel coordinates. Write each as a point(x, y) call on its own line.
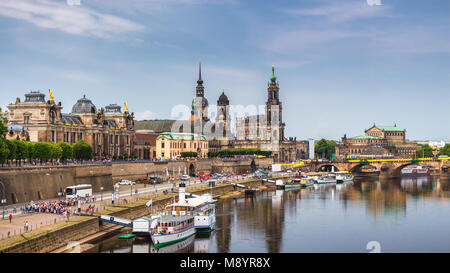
point(342, 177)
point(415, 171)
point(293, 183)
point(327, 179)
point(306, 181)
point(170, 229)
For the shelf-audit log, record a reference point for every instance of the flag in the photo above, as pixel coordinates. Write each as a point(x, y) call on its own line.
point(149, 203)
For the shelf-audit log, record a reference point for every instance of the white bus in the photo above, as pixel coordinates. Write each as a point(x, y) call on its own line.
point(83, 190)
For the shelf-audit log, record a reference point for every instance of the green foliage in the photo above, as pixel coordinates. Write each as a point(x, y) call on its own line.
point(56, 151)
point(22, 152)
point(42, 151)
point(12, 149)
point(29, 147)
point(189, 154)
point(82, 150)
point(325, 148)
point(67, 150)
point(3, 128)
point(425, 151)
point(233, 152)
point(445, 150)
point(4, 151)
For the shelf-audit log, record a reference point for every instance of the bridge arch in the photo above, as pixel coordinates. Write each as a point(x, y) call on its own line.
point(358, 167)
point(327, 167)
point(191, 169)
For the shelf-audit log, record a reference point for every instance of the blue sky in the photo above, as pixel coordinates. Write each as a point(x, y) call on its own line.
point(342, 65)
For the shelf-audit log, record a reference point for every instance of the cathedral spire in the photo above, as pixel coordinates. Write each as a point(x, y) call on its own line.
point(200, 81)
point(273, 78)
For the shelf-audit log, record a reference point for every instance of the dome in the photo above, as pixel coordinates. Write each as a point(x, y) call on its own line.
point(84, 106)
point(15, 127)
point(223, 99)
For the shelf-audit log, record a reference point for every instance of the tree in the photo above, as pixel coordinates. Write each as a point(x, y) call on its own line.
point(189, 154)
point(325, 148)
point(12, 150)
point(425, 151)
point(57, 151)
point(4, 151)
point(29, 147)
point(3, 128)
point(445, 150)
point(21, 151)
point(42, 151)
point(82, 150)
point(67, 150)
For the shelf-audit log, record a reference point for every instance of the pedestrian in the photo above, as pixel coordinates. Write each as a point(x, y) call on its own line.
point(26, 226)
point(10, 217)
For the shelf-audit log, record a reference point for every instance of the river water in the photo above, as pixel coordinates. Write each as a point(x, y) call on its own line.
point(402, 215)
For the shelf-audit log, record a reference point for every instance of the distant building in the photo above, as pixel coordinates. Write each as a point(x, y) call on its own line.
point(108, 130)
point(378, 141)
point(145, 144)
point(170, 145)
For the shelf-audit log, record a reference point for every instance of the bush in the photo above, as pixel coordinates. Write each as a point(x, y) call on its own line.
point(67, 150)
point(42, 151)
point(82, 150)
point(233, 152)
point(189, 154)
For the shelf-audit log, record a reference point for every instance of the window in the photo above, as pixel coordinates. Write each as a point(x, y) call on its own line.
point(26, 119)
point(52, 136)
point(185, 145)
point(162, 145)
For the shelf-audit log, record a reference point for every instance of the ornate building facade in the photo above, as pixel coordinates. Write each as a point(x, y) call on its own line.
point(108, 130)
point(378, 141)
point(170, 145)
point(265, 131)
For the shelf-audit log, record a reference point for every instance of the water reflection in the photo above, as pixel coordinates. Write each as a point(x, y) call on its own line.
point(406, 214)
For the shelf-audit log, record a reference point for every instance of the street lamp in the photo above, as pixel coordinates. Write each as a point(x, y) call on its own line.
point(3, 201)
point(60, 193)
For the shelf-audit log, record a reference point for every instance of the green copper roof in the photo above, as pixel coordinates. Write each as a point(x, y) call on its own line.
point(365, 137)
point(181, 136)
point(390, 128)
point(273, 78)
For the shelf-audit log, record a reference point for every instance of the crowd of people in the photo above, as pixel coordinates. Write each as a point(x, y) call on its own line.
point(60, 207)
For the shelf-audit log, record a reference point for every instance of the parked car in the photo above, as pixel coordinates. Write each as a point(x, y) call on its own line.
point(125, 182)
point(142, 181)
point(155, 180)
point(243, 174)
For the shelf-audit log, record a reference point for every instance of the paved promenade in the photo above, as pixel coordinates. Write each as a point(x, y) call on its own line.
point(126, 194)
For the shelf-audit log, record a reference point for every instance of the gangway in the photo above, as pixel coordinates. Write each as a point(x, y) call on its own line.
point(269, 181)
point(116, 220)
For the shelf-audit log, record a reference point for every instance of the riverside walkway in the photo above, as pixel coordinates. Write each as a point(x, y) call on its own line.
point(126, 194)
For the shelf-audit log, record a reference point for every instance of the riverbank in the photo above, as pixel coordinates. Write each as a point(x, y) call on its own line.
point(58, 237)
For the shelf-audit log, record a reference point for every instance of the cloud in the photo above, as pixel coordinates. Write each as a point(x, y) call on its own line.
point(298, 40)
point(78, 20)
point(340, 11)
point(146, 115)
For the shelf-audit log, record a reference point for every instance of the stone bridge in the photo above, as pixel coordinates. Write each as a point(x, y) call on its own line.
point(386, 169)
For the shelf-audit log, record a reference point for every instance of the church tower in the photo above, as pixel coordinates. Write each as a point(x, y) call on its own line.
point(274, 109)
point(223, 115)
point(199, 112)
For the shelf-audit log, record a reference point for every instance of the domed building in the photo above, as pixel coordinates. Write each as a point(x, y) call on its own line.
point(110, 132)
point(84, 106)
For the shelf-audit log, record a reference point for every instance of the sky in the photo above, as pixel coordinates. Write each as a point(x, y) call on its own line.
point(342, 66)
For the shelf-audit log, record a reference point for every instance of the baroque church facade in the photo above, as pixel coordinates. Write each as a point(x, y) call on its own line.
point(265, 131)
point(109, 131)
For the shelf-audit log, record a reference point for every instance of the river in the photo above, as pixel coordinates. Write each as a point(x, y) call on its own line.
point(401, 215)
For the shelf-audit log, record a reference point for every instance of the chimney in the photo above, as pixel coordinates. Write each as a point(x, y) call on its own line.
point(181, 192)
